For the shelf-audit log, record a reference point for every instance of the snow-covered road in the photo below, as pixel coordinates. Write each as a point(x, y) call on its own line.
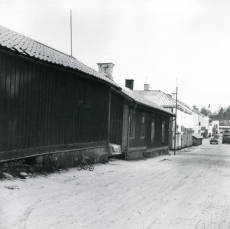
point(189, 190)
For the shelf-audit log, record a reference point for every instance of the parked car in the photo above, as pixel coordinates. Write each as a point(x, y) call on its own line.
point(214, 141)
point(226, 138)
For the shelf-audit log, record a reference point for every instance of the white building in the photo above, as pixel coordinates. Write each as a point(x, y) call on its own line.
point(203, 123)
point(184, 128)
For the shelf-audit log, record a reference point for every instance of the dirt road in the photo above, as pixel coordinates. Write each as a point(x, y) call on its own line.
point(189, 190)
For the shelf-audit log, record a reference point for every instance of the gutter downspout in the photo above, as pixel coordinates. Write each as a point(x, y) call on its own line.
point(109, 111)
point(127, 151)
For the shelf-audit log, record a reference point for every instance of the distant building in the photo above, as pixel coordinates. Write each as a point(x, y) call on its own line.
point(204, 123)
point(184, 116)
point(215, 127)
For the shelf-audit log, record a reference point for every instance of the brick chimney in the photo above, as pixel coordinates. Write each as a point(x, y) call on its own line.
point(106, 69)
point(146, 87)
point(129, 84)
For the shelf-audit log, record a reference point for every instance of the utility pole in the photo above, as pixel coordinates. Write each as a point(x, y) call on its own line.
point(175, 124)
point(71, 31)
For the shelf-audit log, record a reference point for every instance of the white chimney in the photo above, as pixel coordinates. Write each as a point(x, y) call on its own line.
point(195, 108)
point(146, 87)
point(106, 69)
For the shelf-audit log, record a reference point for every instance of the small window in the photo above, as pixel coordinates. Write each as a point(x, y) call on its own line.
point(142, 125)
point(153, 130)
point(163, 131)
point(132, 124)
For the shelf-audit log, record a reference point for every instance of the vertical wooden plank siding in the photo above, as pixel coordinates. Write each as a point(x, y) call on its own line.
point(139, 141)
point(40, 106)
point(116, 118)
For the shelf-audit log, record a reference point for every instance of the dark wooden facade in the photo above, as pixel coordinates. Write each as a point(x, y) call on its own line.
point(116, 118)
point(44, 107)
point(140, 139)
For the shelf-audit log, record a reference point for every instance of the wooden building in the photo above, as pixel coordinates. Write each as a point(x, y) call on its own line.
point(184, 117)
point(196, 139)
point(145, 126)
point(52, 104)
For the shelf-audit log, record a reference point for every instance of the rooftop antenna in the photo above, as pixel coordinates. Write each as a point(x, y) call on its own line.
point(71, 31)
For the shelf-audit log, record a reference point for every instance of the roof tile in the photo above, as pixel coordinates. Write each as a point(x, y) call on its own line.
point(27, 46)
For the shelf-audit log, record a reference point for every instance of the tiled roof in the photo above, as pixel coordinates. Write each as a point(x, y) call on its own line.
point(135, 95)
point(184, 107)
point(164, 100)
point(158, 97)
point(26, 46)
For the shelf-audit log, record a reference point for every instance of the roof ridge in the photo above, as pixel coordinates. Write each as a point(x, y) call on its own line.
point(38, 42)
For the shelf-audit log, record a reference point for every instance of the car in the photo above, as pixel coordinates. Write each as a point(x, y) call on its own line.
point(214, 141)
point(226, 137)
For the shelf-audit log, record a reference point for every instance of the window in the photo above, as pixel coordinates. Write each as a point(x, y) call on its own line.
point(153, 130)
point(142, 125)
point(132, 124)
point(163, 131)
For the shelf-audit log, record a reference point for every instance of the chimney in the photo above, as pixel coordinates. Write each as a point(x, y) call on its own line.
point(174, 95)
point(146, 87)
point(194, 107)
point(129, 84)
point(106, 69)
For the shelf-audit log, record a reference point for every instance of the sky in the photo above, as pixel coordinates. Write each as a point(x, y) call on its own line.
point(164, 43)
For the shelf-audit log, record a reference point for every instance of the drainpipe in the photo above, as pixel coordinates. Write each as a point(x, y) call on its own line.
point(127, 151)
point(109, 111)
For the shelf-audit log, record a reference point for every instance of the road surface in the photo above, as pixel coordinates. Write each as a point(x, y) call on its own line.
point(189, 190)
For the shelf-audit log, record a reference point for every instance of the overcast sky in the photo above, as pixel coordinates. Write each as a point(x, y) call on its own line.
point(150, 41)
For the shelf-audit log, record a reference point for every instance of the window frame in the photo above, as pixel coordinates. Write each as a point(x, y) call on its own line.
point(132, 124)
point(163, 130)
point(152, 135)
point(143, 121)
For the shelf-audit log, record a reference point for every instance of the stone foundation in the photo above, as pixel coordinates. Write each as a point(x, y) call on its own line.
point(148, 153)
point(54, 161)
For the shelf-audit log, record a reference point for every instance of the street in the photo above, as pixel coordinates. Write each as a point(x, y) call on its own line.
point(189, 190)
